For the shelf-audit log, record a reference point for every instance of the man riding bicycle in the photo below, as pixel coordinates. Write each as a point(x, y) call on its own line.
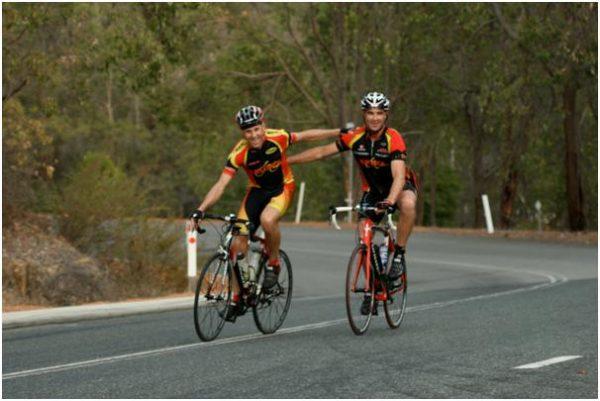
point(262, 154)
point(386, 181)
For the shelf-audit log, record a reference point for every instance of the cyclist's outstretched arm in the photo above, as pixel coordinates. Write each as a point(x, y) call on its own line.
point(316, 134)
point(215, 192)
point(398, 169)
point(316, 153)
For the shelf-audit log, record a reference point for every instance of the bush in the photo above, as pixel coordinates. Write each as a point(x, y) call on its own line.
point(97, 192)
point(27, 160)
point(103, 216)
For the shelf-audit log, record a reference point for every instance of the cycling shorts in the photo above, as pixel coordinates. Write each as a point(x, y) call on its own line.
point(257, 199)
point(372, 198)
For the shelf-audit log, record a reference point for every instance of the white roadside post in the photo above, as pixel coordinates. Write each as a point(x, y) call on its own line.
point(300, 203)
point(488, 214)
point(191, 240)
point(538, 213)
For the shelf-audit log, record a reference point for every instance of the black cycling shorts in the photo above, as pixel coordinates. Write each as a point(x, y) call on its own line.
point(257, 199)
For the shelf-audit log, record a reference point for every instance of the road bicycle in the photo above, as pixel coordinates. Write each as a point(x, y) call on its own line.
point(215, 287)
point(366, 275)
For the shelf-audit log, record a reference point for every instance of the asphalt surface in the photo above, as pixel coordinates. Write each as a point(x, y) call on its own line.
point(477, 309)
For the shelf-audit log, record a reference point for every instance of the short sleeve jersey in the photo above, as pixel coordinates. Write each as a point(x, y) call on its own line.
point(375, 157)
point(266, 167)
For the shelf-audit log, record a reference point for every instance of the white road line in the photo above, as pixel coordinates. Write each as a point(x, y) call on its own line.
point(249, 337)
point(547, 362)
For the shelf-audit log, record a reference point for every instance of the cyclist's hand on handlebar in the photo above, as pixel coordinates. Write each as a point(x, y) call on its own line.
point(195, 217)
point(383, 206)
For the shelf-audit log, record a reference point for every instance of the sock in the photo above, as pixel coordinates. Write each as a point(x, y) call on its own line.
point(235, 298)
point(400, 250)
point(274, 264)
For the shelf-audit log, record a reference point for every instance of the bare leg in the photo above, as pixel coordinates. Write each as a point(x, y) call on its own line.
point(269, 220)
point(407, 205)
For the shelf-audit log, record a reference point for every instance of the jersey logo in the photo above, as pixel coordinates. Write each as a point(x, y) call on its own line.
point(267, 167)
point(372, 163)
point(271, 151)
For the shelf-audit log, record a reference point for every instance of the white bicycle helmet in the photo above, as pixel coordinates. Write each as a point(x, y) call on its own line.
point(375, 100)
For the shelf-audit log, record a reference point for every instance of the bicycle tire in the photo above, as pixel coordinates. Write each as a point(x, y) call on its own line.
point(396, 297)
point(355, 293)
point(213, 297)
point(272, 308)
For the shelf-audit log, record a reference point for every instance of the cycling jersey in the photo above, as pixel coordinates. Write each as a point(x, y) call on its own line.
point(375, 158)
point(266, 167)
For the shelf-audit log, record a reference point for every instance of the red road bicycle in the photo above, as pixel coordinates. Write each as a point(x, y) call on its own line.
point(366, 275)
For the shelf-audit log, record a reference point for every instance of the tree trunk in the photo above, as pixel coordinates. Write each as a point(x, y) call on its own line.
point(507, 199)
point(572, 153)
point(136, 109)
point(432, 190)
point(475, 134)
point(109, 105)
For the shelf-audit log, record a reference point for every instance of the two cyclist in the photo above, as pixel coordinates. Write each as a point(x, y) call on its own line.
point(262, 154)
point(387, 182)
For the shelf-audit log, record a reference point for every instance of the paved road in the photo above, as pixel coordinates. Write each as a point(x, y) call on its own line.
point(478, 308)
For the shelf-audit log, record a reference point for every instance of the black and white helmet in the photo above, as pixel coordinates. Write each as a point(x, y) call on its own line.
point(249, 116)
point(375, 100)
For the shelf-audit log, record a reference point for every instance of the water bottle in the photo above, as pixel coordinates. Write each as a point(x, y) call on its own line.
point(383, 256)
point(253, 263)
point(243, 264)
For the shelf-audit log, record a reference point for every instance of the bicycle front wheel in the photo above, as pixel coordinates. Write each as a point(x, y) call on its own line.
point(395, 305)
point(272, 306)
point(357, 290)
point(213, 297)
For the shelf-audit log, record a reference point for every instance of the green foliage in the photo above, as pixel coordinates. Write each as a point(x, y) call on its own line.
point(447, 192)
point(27, 160)
point(97, 193)
point(154, 88)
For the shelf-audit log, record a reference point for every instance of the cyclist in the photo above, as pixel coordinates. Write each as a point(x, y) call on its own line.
point(386, 181)
point(262, 154)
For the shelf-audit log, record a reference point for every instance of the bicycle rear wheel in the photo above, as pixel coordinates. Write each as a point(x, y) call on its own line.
point(356, 284)
point(213, 297)
point(272, 306)
point(395, 305)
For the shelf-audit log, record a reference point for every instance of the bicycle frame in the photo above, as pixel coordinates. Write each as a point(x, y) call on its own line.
point(225, 250)
point(366, 239)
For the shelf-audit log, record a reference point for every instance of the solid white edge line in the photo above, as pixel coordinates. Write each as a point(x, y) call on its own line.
point(546, 362)
point(312, 326)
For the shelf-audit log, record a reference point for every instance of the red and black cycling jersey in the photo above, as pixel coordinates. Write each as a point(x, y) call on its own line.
point(375, 157)
point(266, 167)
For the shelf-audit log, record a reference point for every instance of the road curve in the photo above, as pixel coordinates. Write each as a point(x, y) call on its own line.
point(487, 318)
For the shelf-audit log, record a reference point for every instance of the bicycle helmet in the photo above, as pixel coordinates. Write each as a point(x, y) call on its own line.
point(375, 100)
point(249, 116)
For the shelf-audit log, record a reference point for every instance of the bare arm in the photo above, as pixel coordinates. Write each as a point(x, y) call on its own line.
point(215, 192)
point(316, 134)
point(316, 153)
point(398, 171)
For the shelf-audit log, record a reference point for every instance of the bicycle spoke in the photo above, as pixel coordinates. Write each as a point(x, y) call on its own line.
point(359, 316)
point(212, 295)
point(272, 307)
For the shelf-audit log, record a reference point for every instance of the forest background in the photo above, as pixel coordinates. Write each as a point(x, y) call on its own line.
point(124, 112)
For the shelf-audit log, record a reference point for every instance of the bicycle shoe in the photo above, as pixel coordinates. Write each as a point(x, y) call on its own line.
point(364, 308)
point(270, 278)
point(233, 311)
point(398, 266)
